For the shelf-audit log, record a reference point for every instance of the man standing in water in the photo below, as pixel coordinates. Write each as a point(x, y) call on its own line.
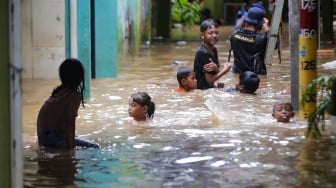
point(206, 64)
point(249, 44)
point(241, 13)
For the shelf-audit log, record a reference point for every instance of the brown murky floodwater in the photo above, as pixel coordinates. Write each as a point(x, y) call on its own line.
point(200, 139)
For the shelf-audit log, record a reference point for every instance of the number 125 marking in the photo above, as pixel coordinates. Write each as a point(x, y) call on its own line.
point(308, 65)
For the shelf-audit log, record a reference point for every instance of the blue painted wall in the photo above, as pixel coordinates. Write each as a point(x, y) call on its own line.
point(84, 41)
point(106, 30)
point(106, 19)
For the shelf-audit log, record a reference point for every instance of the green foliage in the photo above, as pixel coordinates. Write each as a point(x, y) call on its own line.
point(185, 13)
point(324, 87)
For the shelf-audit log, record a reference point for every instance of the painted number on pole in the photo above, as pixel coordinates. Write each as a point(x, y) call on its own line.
point(308, 33)
point(308, 65)
point(308, 5)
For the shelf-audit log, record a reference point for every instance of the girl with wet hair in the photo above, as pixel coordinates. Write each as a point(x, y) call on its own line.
point(57, 117)
point(141, 107)
point(71, 73)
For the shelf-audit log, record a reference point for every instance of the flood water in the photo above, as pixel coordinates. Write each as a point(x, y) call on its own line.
point(200, 139)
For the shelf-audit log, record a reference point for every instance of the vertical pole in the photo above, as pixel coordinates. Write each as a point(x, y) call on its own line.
point(16, 93)
point(5, 155)
point(83, 43)
point(308, 53)
point(93, 39)
point(77, 36)
point(106, 19)
point(67, 27)
point(332, 105)
point(73, 29)
point(293, 30)
point(318, 25)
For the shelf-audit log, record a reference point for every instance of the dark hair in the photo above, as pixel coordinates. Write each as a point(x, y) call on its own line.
point(250, 80)
point(144, 99)
point(71, 73)
point(206, 24)
point(182, 73)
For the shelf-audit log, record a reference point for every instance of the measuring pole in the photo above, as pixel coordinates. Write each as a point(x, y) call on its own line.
point(274, 32)
point(307, 54)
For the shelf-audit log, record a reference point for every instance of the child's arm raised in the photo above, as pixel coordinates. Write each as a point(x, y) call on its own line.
point(211, 78)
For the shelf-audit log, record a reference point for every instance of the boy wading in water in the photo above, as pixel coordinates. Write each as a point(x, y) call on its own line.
point(206, 64)
point(186, 80)
point(283, 111)
point(248, 82)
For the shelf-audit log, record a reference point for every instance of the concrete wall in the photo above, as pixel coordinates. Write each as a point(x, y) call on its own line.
point(43, 33)
point(26, 27)
point(42, 38)
point(134, 25)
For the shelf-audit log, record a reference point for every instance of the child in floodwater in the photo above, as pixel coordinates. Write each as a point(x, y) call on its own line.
point(56, 121)
point(206, 63)
point(141, 107)
point(283, 111)
point(186, 80)
point(248, 83)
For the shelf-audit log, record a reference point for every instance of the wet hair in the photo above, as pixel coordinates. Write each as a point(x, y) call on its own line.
point(282, 101)
point(71, 73)
point(144, 99)
point(183, 73)
point(206, 24)
point(250, 80)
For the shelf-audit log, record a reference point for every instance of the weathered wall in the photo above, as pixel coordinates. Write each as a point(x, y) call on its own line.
point(42, 37)
point(43, 33)
point(134, 24)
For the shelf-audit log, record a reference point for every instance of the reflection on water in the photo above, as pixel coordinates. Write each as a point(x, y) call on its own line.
point(41, 172)
point(200, 139)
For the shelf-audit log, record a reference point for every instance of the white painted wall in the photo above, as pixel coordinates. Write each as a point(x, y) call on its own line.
point(43, 38)
point(26, 25)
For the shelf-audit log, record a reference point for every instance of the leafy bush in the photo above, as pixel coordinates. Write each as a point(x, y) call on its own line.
point(325, 86)
point(185, 13)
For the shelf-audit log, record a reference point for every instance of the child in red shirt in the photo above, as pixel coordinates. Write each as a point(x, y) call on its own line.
point(186, 79)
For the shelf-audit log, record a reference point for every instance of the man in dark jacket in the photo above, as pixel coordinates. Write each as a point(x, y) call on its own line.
point(249, 44)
